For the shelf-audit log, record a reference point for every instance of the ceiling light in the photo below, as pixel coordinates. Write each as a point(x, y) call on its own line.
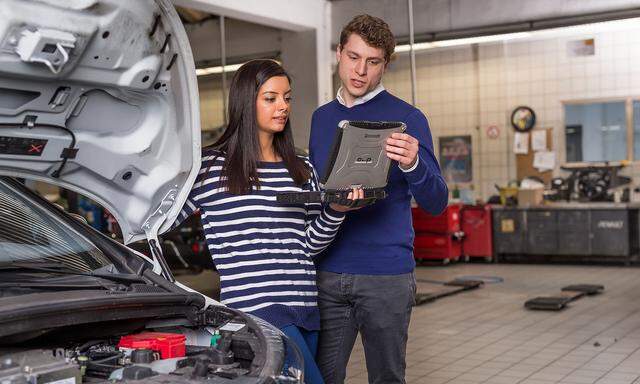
point(569, 30)
point(218, 69)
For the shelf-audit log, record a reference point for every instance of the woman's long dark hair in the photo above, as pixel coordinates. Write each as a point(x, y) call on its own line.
point(240, 142)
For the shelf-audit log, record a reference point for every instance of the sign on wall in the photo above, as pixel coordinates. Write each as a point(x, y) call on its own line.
point(455, 158)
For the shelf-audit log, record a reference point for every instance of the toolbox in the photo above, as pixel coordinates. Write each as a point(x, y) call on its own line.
point(446, 222)
point(432, 246)
point(437, 237)
point(477, 228)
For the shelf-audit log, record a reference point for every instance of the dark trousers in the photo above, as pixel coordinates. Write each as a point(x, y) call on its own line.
point(377, 306)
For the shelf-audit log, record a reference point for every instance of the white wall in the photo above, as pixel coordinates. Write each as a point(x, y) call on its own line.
point(296, 16)
point(446, 15)
point(457, 96)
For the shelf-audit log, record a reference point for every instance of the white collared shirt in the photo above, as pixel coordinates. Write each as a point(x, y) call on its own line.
point(362, 99)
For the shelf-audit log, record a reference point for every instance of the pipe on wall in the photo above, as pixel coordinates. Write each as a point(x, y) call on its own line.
point(412, 54)
point(223, 61)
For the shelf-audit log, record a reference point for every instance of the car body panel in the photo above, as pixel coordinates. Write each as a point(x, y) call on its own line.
point(122, 105)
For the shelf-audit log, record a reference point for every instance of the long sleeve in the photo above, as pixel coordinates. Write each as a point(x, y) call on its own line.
point(426, 183)
point(322, 223)
point(188, 209)
point(190, 205)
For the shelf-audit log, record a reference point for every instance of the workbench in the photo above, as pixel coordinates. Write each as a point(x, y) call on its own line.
point(579, 231)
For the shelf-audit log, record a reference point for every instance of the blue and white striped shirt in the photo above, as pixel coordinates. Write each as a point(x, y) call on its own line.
point(263, 249)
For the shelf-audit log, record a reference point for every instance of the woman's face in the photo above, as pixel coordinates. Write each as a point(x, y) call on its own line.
point(272, 104)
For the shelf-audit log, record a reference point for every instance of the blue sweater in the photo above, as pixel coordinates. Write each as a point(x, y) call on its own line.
point(378, 240)
point(263, 249)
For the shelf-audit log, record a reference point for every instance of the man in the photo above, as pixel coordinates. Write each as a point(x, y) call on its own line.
point(365, 278)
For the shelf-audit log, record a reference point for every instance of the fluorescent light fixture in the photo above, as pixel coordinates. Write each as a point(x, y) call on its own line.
point(218, 69)
point(562, 31)
point(464, 41)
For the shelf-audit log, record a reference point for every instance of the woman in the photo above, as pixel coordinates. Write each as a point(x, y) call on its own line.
point(263, 249)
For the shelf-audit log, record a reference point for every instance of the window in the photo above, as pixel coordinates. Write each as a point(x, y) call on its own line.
point(29, 233)
point(597, 132)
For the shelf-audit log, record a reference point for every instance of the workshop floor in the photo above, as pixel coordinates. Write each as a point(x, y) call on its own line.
point(487, 336)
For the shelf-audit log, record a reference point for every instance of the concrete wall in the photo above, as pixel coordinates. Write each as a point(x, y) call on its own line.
point(243, 39)
point(300, 61)
point(458, 93)
point(296, 16)
point(246, 40)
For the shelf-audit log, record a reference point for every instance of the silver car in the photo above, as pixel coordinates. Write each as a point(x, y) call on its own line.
point(100, 97)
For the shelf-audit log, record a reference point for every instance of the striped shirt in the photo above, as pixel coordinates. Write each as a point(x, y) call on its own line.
point(263, 249)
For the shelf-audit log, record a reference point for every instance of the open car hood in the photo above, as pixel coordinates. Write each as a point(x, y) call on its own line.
point(100, 97)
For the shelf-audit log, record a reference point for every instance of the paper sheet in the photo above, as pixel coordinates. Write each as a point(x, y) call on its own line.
point(539, 140)
point(544, 160)
point(521, 143)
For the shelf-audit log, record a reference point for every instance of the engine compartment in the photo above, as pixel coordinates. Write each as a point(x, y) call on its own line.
point(229, 347)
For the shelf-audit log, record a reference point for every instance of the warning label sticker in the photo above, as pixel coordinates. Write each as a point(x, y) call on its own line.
point(21, 146)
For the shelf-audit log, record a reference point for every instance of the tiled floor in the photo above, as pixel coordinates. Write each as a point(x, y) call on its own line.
point(487, 336)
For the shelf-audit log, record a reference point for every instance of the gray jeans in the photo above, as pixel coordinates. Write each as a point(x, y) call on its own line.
point(377, 306)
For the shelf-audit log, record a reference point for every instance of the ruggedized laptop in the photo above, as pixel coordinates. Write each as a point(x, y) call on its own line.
point(357, 159)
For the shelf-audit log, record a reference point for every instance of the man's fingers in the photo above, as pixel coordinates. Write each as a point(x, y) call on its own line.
point(404, 137)
point(400, 136)
point(398, 143)
point(398, 150)
point(400, 159)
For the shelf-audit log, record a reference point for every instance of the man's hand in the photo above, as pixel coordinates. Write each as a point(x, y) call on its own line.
point(402, 148)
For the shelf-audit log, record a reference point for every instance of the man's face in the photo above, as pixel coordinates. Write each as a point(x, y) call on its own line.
point(360, 66)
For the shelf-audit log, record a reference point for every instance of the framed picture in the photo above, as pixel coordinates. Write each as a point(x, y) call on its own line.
point(455, 158)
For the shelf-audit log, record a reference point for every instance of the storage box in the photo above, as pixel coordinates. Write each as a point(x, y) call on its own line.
point(437, 247)
point(447, 222)
point(477, 228)
point(528, 197)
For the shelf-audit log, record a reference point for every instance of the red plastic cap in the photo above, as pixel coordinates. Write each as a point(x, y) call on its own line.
point(167, 344)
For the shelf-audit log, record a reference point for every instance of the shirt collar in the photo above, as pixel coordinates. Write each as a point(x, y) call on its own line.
point(362, 99)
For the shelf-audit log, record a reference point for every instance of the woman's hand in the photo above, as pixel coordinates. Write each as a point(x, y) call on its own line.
point(355, 194)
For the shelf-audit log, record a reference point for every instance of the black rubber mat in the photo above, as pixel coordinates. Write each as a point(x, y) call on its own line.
point(468, 284)
point(567, 295)
point(589, 289)
point(548, 303)
point(450, 288)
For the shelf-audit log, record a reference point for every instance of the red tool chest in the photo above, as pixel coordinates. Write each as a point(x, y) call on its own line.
point(477, 228)
point(431, 246)
point(437, 237)
point(447, 221)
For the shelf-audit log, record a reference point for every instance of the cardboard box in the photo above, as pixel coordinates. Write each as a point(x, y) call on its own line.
point(528, 197)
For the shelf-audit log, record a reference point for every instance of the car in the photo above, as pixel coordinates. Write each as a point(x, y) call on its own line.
point(100, 97)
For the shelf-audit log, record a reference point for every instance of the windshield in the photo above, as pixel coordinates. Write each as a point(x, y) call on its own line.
point(29, 234)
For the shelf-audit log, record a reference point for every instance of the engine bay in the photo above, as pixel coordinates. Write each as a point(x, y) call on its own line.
point(232, 348)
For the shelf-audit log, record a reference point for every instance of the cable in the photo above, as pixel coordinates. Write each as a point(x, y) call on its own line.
point(484, 279)
point(66, 154)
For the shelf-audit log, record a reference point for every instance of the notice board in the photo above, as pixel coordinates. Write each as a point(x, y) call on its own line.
point(524, 163)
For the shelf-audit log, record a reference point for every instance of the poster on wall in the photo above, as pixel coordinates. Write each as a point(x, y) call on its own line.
point(455, 158)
